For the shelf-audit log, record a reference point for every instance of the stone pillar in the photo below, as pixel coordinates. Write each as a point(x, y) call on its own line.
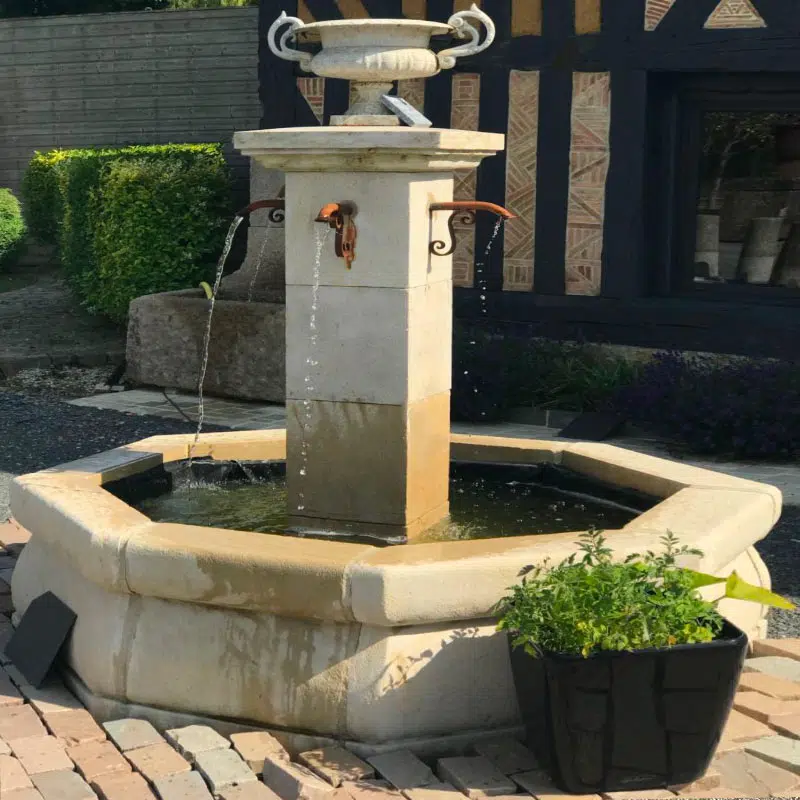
point(787, 266)
point(760, 250)
point(368, 349)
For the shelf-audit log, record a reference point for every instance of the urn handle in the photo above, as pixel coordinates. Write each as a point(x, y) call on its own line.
point(279, 45)
point(463, 29)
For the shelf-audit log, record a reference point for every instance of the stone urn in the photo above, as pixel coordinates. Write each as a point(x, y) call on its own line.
point(372, 53)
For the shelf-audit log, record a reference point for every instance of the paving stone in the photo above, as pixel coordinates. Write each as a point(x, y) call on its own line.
point(769, 685)
point(741, 728)
point(122, 786)
point(762, 706)
point(403, 769)
point(223, 769)
point(5, 750)
point(12, 774)
point(51, 699)
point(40, 754)
point(75, 727)
point(21, 794)
point(752, 776)
point(779, 750)
point(710, 780)
point(9, 694)
point(788, 648)
point(436, 791)
point(713, 794)
point(509, 755)
point(19, 722)
point(476, 776)
point(370, 790)
point(248, 791)
point(787, 726)
point(255, 746)
point(336, 765)
point(94, 759)
point(157, 761)
point(294, 781)
point(64, 785)
point(644, 794)
point(186, 786)
point(778, 666)
point(195, 739)
point(130, 734)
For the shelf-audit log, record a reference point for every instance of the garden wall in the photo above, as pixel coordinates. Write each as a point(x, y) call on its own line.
point(147, 77)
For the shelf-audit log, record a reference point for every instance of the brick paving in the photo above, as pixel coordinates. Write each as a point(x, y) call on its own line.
point(51, 749)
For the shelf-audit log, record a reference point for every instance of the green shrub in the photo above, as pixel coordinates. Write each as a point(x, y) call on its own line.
point(66, 194)
point(12, 227)
point(159, 227)
point(41, 196)
point(593, 603)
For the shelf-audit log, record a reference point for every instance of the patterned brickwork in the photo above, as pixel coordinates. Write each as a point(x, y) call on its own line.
point(589, 157)
point(413, 92)
point(464, 116)
point(655, 11)
point(526, 17)
point(735, 14)
point(588, 18)
point(523, 124)
point(313, 91)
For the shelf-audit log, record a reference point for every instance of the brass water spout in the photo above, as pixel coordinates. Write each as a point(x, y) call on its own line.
point(464, 211)
point(339, 216)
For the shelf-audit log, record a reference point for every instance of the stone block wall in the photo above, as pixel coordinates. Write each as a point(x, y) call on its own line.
point(148, 77)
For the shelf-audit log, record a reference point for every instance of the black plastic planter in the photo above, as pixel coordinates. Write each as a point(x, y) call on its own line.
point(623, 721)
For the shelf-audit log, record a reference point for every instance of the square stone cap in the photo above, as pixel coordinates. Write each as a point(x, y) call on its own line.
point(368, 149)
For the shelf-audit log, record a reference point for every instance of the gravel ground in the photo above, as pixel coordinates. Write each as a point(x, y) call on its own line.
point(781, 553)
point(57, 382)
point(37, 433)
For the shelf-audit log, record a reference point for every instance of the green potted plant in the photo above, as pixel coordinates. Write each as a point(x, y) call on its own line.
point(625, 675)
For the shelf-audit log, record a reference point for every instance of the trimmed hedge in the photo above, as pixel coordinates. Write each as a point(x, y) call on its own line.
point(70, 195)
point(12, 227)
point(157, 230)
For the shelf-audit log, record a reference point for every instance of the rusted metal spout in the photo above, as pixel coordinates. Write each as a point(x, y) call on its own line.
point(474, 205)
point(276, 214)
point(340, 218)
point(464, 211)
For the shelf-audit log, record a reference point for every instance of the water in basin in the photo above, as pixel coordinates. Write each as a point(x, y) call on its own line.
point(486, 500)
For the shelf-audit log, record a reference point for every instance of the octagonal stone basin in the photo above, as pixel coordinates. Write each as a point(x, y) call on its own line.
point(319, 640)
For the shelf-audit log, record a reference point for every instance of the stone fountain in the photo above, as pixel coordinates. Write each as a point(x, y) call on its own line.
point(343, 637)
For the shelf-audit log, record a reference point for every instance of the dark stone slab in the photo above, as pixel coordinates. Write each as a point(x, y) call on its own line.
point(593, 426)
point(42, 631)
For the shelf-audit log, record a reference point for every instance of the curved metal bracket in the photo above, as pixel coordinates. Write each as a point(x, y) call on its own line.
point(465, 212)
point(277, 213)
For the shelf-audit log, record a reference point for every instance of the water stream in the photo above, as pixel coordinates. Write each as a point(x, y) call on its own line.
point(226, 251)
point(321, 237)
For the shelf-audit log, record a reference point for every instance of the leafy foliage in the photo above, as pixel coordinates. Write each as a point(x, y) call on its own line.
point(41, 196)
point(12, 227)
point(158, 228)
point(493, 373)
point(741, 409)
point(45, 8)
point(67, 196)
point(592, 603)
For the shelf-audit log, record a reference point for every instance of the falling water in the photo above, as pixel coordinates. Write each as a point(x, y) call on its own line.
point(226, 251)
point(259, 262)
point(311, 363)
point(480, 280)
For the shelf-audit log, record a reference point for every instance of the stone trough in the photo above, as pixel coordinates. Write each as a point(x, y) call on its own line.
point(317, 640)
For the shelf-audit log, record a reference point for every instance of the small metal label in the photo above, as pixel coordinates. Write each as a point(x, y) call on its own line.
point(405, 111)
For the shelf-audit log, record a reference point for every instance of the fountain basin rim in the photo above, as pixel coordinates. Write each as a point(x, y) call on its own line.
point(116, 547)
